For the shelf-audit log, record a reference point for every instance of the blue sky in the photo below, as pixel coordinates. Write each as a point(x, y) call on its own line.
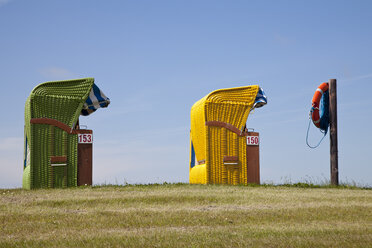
point(154, 59)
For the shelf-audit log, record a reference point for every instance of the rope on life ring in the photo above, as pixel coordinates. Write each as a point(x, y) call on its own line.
point(320, 103)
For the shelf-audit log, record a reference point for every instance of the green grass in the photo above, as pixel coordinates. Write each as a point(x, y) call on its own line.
point(182, 215)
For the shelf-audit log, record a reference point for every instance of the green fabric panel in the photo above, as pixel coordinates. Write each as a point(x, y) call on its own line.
point(72, 159)
point(26, 182)
point(62, 101)
point(39, 156)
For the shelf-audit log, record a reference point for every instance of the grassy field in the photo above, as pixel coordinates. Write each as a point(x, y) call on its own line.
point(181, 215)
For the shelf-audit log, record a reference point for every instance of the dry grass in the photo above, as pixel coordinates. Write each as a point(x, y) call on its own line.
point(186, 216)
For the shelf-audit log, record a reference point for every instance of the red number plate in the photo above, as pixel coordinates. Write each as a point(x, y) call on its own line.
point(253, 141)
point(85, 138)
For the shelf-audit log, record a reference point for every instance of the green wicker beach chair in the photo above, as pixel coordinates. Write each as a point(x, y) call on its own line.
point(51, 113)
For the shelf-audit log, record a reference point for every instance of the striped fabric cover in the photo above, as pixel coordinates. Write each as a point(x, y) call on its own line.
point(260, 100)
point(95, 100)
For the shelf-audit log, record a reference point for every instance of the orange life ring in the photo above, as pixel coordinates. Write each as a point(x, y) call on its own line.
point(315, 103)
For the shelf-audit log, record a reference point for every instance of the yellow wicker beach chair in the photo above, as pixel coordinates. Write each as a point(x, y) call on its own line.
point(218, 136)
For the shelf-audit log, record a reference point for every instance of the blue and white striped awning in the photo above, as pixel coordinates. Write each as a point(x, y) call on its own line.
point(260, 100)
point(95, 100)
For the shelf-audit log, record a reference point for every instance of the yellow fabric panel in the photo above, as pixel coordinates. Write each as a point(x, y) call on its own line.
point(215, 154)
point(243, 160)
point(190, 156)
point(198, 128)
point(231, 105)
point(226, 143)
point(198, 174)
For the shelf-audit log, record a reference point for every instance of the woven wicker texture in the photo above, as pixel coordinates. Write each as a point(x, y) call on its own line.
point(61, 101)
point(213, 143)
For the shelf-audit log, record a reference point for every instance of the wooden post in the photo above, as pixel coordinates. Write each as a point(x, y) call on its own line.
point(85, 152)
point(253, 160)
point(333, 130)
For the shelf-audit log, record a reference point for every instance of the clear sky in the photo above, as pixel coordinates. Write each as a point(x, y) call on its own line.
point(154, 59)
